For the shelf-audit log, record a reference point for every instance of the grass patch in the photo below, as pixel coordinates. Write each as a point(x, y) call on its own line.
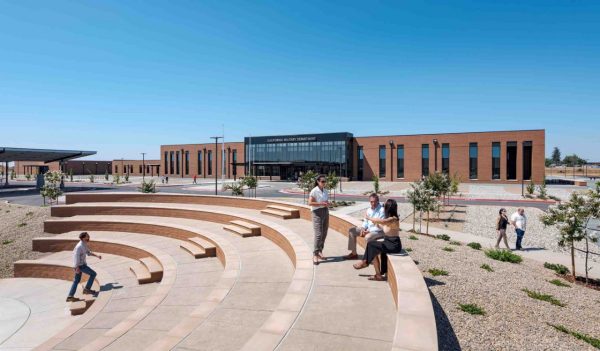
point(449, 249)
point(487, 267)
point(457, 243)
point(29, 214)
point(443, 237)
point(6, 242)
point(474, 246)
point(435, 272)
point(408, 249)
point(412, 237)
point(543, 297)
point(558, 268)
point(471, 308)
point(21, 225)
point(592, 341)
point(559, 282)
point(503, 255)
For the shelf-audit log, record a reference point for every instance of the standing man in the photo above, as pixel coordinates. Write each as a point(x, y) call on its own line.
point(368, 230)
point(519, 220)
point(195, 179)
point(80, 265)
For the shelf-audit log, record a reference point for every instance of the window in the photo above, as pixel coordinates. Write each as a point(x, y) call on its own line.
point(472, 160)
point(511, 160)
point(446, 158)
point(116, 169)
point(425, 160)
point(187, 162)
point(166, 162)
point(209, 160)
point(400, 161)
point(527, 148)
point(171, 168)
point(234, 161)
point(140, 168)
point(176, 162)
point(382, 161)
point(496, 160)
point(199, 162)
point(361, 161)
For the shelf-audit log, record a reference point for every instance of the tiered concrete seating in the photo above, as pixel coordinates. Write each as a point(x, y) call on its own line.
point(283, 212)
point(297, 321)
point(242, 228)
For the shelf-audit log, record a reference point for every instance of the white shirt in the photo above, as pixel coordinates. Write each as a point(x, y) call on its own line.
point(319, 196)
point(80, 252)
point(520, 221)
point(378, 212)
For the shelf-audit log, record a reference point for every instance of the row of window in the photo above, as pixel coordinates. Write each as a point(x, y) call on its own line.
point(511, 160)
point(172, 162)
point(315, 151)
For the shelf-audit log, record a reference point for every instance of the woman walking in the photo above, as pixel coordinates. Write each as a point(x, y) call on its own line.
point(391, 241)
point(318, 200)
point(501, 224)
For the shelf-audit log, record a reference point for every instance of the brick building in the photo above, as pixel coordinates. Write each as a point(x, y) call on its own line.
point(78, 167)
point(136, 167)
point(501, 156)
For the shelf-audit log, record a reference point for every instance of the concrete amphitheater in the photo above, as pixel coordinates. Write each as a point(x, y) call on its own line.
point(192, 272)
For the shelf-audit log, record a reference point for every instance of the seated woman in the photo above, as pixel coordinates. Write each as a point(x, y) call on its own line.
point(390, 244)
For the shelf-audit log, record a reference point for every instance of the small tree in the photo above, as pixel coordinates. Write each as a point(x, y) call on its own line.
point(332, 182)
point(591, 235)
point(237, 188)
point(70, 172)
point(454, 184)
point(28, 176)
point(127, 176)
point(543, 192)
point(556, 156)
point(376, 188)
point(51, 188)
point(413, 198)
point(117, 179)
point(106, 175)
point(251, 182)
point(571, 219)
point(307, 182)
point(91, 177)
point(13, 174)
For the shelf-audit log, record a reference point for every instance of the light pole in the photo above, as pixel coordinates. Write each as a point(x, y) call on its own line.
point(216, 160)
point(143, 166)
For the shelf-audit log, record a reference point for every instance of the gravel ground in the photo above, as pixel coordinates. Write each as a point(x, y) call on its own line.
point(481, 221)
point(513, 321)
point(18, 225)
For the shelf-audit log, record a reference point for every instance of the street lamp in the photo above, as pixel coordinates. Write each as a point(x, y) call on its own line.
point(143, 166)
point(216, 160)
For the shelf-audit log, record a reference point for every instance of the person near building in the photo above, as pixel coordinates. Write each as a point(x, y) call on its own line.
point(501, 225)
point(519, 221)
point(368, 230)
point(318, 200)
point(80, 252)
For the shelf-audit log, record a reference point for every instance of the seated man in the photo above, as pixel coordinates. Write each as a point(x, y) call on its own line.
point(369, 230)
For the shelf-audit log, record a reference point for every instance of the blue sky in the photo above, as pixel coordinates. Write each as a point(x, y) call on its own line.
point(123, 77)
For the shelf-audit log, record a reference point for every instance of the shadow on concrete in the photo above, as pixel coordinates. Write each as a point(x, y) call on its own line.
point(447, 340)
point(532, 249)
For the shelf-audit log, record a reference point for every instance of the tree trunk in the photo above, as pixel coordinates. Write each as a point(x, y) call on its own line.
point(420, 222)
point(427, 229)
point(587, 252)
point(573, 259)
point(414, 217)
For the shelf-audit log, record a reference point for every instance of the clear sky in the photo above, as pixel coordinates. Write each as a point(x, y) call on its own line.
point(123, 77)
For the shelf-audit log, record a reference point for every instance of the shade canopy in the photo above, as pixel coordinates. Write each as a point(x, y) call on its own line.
point(11, 154)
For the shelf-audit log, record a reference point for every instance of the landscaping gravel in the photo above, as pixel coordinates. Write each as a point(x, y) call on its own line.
point(18, 225)
point(481, 221)
point(512, 320)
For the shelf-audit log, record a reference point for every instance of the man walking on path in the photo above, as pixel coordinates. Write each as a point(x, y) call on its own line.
point(80, 265)
point(369, 230)
point(519, 220)
point(195, 179)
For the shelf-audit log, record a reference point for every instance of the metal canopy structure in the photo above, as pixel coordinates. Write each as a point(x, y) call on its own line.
point(11, 154)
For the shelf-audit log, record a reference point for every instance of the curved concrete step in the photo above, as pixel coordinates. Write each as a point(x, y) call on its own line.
point(294, 212)
point(255, 229)
point(154, 267)
point(277, 213)
point(141, 273)
point(243, 232)
point(193, 249)
point(209, 248)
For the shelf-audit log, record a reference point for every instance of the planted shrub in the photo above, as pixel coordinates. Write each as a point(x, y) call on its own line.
point(435, 272)
point(6, 242)
point(559, 282)
point(471, 308)
point(412, 237)
point(487, 267)
point(21, 225)
point(408, 249)
point(454, 242)
point(449, 249)
point(474, 246)
point(443, 237)
point(503, 255)
point(148, 187)
point(558, 268)
point(590, 340)
point(543, 297)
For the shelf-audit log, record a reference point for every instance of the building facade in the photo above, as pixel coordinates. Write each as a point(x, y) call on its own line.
point(78, 167)
point(502, 156)
point(136, 167)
